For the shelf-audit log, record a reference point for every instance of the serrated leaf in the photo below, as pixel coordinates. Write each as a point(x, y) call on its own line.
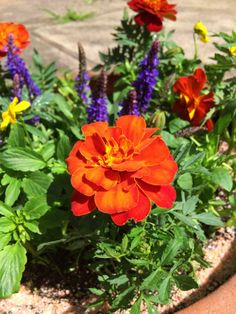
point(12, 191)
point(153, 280)
point(6, 225)
point(123, 297)
point(222, 177)
point(36, 207)
point(185, 282)
point(209, 219)
point(16, 136)
point(136, 307)
point(171, 251)
point(190, 205)
point(5, 210)
point(22, 159)
point(13, 260)
point(196, 158)
point(48, 151)
point(96, 291)
point(164, 290)
point(63, 147)
point(5, 238)
point(185, 181)
point(37, 183)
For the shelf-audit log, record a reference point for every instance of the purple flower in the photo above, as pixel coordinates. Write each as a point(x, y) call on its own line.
point(19, 72)
point(82, 80)
point(147, 77)
point(82, 86)
point(33, 121)
point(97, 111)
point(130, 105)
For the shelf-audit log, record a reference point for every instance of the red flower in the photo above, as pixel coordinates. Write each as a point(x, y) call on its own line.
point(119, 170)
point(152, 12)
point(191, 105)
point(20, 35)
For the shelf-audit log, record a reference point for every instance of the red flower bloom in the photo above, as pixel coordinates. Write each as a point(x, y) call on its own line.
point(119, 170)
point(20, 35)
point(191, 105)
point(152, 12)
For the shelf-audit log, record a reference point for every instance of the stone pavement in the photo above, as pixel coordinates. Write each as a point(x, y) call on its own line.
point(58, 42)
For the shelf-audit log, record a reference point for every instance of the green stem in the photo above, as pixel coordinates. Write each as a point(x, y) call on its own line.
point(195, 47)
point(232, 143)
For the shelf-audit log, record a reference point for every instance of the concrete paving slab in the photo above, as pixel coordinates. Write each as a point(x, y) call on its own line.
point(58, 42)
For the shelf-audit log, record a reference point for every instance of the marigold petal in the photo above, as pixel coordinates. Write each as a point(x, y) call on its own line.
point(81, 184)
point(162, 195)
point(103, 177)
point(81, 204)
point(133, 127)
point(92, 147)
point(163, 173)
point(138, 213)
point(129, 165)
point(75, 159)
point(119, 199)
point(152, 22)
point(94, 128)
point(154, 153)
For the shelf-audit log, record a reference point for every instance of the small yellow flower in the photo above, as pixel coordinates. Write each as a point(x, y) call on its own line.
point(202, 31)
point(233, 50)
point(9, 116)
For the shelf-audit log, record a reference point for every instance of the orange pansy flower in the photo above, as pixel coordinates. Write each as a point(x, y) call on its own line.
point(19, 33)
point(191, 105)
point(119, 170)
point(152, 12)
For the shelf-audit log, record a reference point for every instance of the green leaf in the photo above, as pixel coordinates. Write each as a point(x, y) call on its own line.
point(36, 207)
point(171, 250)
point(164, 290)
point(48, 151)
point(136, 307)
point(13, 260)
point(124, 297)
point(185, 181)
point(16, 136)
point(185, 282)
point(209, 219)
point(153, 280)
point(118, 280)
point(12, 191)
point(96, 291)
point(5, 210)
point(63, 106)
point(5, 238)
point(198, 157)
point(32, 226)
point(63, 147)
point(6, 225)
point(36, 184)
point(22, 159)
point(222, 177)
point(177, 124)
point(190, 205)
point(124, 243)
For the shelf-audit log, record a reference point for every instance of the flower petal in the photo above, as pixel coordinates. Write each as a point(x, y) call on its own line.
point(103, 177)
point(23, 105)
point(75, 159)
point(161, 174)
point(138, 213)
point(94, 128)
point(81, 204)
point(81, 184)
point(162, 195)
point(154, 153)
point(122, 197)
point(133, 127)
point(92, 147)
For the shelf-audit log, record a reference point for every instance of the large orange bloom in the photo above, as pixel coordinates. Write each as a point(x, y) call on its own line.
point(152, 12)
point(191, 105)
point(119, 170)
point(19, 33)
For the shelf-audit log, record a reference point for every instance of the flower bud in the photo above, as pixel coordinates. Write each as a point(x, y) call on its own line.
point(158, 119)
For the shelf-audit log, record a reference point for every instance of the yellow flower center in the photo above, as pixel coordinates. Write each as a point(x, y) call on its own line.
point(116, 153)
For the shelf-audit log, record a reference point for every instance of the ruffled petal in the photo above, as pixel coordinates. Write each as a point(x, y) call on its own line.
point(75, 159)
point(81, 204)
point(92, 147)
point(138, 213)
point(162, 195)
point(103, 177)
point(81, 184)
point(133, 127)
point(152, 22)
point(122, 197)
point(94, 128)
point(161, 174)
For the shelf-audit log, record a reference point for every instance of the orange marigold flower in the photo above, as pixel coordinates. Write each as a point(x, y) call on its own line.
point(191, 105)
point(119, 170)
point(152, 12)
point(19, 33)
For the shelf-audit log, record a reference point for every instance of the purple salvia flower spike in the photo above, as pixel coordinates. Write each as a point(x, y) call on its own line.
point(130, 105)
point(147, 77)
point(97, 111)
point(82, 79)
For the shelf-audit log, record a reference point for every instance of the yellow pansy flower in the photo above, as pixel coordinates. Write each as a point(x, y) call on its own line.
point(233, 50)
point(9, 116)
point(202, 31)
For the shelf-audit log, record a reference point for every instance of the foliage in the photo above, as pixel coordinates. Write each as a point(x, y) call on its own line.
point(137, 263)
